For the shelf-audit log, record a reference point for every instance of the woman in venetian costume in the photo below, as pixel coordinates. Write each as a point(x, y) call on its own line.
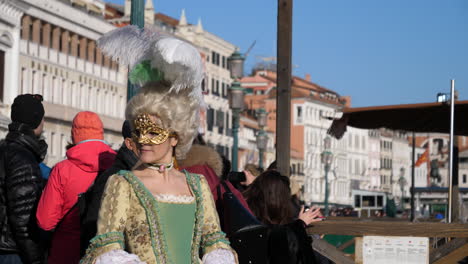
point(155, 213)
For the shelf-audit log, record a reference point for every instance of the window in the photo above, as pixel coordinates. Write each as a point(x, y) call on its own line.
point(203, 86)
point(213, 86)
point(299, 114)
point(379, 200)
point(357, 201)
point(228, 130)
point(213, 57)
point(220, 121)
point(464, 178)
point(223, 62)
point(220, 149)
point(210, 119)
point(224, 90)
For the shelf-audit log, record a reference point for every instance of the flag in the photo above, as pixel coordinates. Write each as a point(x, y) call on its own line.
point(423, 158)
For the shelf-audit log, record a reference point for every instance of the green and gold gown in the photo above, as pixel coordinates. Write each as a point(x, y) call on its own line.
point(163, 229)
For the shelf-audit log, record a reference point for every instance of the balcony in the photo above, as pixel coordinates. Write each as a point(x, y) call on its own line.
point(71, 62)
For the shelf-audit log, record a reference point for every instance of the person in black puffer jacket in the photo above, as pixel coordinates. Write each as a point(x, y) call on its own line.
point(21, 182)
point(90, 201)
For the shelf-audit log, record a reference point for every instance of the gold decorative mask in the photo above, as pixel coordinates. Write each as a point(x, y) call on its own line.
point(148, 133)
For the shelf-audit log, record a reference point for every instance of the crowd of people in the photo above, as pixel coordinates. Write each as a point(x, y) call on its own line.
point(163, 197)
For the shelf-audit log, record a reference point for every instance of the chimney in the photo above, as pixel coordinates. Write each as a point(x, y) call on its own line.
point(307, 77)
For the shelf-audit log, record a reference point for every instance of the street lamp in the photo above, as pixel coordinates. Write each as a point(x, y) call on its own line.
point(236, 101)
point(327, 157)
point(262, 137)
point(137, 17)
point(402, 182)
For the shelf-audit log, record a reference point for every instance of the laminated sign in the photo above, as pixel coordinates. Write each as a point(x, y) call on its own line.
point(401, 250)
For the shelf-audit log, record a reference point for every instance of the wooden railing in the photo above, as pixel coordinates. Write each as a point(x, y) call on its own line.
point(451, 252)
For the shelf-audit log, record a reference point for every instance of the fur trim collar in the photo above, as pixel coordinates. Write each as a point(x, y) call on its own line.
point(201, 155)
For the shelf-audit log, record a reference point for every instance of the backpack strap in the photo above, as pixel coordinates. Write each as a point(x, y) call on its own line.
point(226, 187)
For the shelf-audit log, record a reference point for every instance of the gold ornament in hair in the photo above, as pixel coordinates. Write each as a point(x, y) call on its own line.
point(148, 132)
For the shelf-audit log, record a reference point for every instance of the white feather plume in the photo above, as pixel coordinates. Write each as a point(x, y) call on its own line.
point(181, 64)
point(128, 45)
point(179, 61)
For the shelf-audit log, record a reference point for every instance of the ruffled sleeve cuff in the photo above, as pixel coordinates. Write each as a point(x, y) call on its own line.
point(102, 244)
point(219, 256)
point(118, 257)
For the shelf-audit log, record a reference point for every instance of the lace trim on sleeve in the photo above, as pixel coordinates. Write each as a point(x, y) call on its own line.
point(118, 257)
point(219, 256)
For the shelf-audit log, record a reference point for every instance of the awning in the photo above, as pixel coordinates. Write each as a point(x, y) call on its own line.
point(425, 117)
point(78, 2)
point(94, 8)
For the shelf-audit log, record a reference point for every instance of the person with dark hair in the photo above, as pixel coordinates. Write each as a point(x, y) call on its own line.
point(269, 198)
point(204, 160)
point(90, 202)
point(226, 167)
point(21, 182)
point(272, 166)
point(56, 211)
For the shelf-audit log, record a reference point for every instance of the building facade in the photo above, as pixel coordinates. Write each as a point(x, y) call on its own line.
point(53, 53)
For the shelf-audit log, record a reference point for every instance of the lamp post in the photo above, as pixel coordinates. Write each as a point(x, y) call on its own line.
point(236, 101)
point(326, 160)
point(262, 137)
point(402, 182)
point(137, 17)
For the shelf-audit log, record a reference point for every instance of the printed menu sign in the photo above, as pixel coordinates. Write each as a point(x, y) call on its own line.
point(400, 250)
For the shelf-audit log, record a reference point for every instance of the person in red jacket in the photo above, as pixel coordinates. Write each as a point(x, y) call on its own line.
point(69, 178)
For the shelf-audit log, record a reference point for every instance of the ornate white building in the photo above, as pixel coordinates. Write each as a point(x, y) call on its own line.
point(216, 51)
point(49, 48)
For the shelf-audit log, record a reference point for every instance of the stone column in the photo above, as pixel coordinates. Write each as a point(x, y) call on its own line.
point(56, 38)
point(65, 47)
point(46, 28)
point(74, 45)
point(36, 31)
point(26, 27)
point(83, 48)
point(107, 62)
point(91, 51)
point(98, 56)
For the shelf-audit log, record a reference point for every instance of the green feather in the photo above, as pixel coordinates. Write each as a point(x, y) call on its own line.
point(143, 73)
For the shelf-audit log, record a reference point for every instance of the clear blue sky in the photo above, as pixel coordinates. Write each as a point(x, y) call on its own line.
point(378, 52)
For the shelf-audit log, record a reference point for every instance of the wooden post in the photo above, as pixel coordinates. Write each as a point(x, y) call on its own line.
point(283, 89)
point(330, 252)
point(446, 251)
point(359, 258)
point(413, 184)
